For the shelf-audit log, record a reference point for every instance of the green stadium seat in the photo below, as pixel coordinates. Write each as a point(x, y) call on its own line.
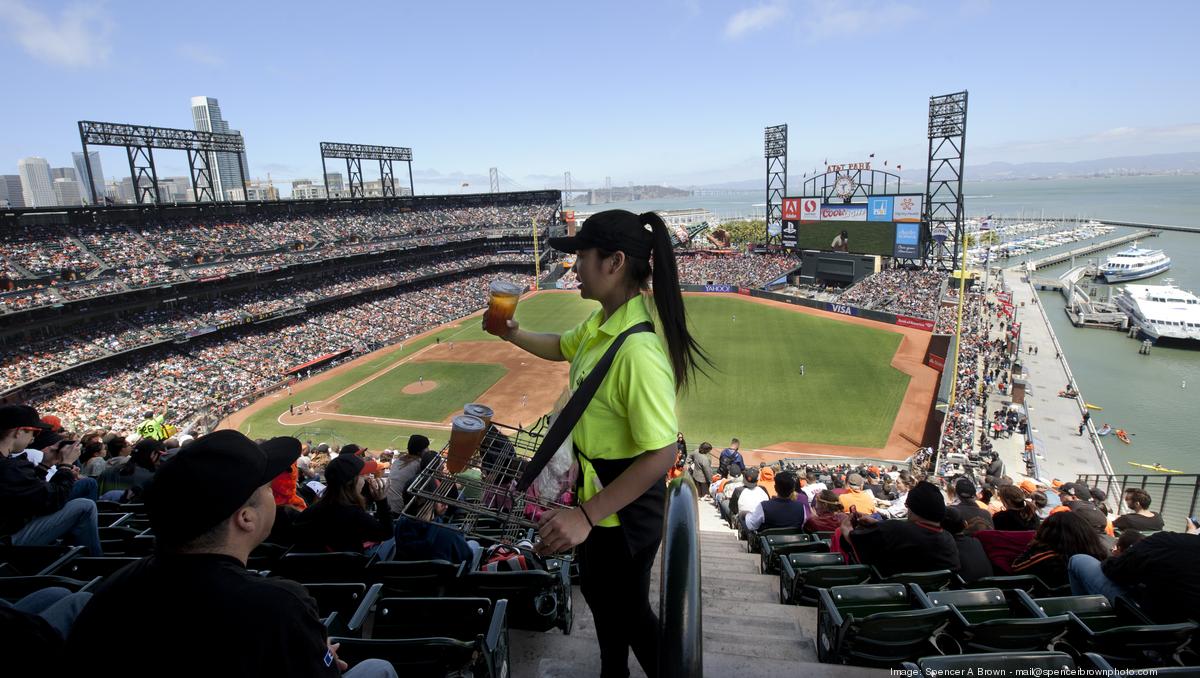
point(13, 589)
point(752, 543)
point(435, 637)
point(1119, 633)
point(423, 578)
point(27, 561)
point(771, 546)
point(112, 519)
point(344, 607)
point(879, 625)
point(346, 566)
point(86, 567)
point(994, 620)
point(1025, 582)
point(538, 600)
point(1006, 664)
point(933, 580)
point(800, 574)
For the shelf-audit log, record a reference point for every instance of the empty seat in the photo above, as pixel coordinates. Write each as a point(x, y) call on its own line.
point(435, 637)
point(87, 568)
point(112, 519)
point(933, 580)
point(877, 625)
point(323, 567)
point(771, 546)
point(344, 607)
point(538, 600)
point(425, 578)
point(1120, 634)
point(1025, 582)
point(265, 556)
point(17, 561)
point(752, 543)
point(1006, 664)
point(993, 620)
point(801, 574)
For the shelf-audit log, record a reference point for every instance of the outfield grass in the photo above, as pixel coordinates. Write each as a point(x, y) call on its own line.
point(457, 385)
point(373, 436)
point(850, 393)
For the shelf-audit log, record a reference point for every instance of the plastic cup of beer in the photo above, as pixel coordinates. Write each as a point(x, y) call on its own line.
point(466, 433)
point(480, 410)
point(502, 303)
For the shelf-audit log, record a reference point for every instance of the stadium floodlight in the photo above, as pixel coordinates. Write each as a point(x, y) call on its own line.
point(944, 178)
point(775, 147)
point(139, 142)
point(354, 154)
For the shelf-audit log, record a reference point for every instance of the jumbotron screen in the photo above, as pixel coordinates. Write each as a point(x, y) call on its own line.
point(888, 226)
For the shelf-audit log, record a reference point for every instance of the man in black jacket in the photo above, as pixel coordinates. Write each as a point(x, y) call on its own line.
point(1159, 572)
point(918, 544)
point(34, 511)
point(210, 505)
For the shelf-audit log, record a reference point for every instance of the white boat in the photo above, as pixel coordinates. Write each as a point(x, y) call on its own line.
point(1161, 311)
point(1134, 263)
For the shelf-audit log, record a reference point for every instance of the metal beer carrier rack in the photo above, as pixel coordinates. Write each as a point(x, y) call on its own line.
point(488, 508)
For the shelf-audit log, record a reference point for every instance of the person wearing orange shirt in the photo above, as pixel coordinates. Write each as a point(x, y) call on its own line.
point(862, 500)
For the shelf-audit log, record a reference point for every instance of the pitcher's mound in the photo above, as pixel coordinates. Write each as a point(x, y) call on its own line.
point(416, 387)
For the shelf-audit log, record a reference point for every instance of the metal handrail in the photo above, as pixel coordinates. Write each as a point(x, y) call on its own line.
point(679, 603)
point(1174, 496)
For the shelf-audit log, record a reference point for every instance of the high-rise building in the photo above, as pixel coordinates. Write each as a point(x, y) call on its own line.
point(206, 114)
point(66, 191)
point(10, 191)
point(36, 183)
point(63, 173)
point(97, 178)
point(303, 189)
point(334, 179)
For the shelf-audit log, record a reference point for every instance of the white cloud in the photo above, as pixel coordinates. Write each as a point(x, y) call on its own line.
point(842, 18)
point(200, 54)
point(753, 19)
point(77, 37)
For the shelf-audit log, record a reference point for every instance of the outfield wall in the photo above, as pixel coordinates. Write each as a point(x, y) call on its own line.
point(923, 324)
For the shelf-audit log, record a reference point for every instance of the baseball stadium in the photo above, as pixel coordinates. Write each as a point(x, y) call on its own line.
point(296, 422)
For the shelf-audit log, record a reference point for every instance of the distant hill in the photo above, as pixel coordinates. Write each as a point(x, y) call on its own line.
point(1163, 163)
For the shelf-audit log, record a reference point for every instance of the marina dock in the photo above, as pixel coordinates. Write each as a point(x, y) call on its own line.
point(1091, 248)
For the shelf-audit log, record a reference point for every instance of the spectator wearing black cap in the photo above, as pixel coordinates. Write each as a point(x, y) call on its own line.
point(1060, 536)
point(918, 544)
point(403, 471)
point(785, 509)
point(210, 505)
point(976, 517)
point(34, 510)
point(339, 520)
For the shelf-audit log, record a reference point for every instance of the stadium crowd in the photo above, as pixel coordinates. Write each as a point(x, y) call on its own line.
point(915, 292)
point(214, 374)
point(43, 263)
point(744, 270)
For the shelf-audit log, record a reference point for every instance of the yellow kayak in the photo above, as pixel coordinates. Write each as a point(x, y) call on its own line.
point(1093, 407)
point(1155, 467)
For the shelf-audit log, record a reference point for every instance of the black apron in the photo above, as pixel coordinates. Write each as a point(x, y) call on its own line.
point(642, 518)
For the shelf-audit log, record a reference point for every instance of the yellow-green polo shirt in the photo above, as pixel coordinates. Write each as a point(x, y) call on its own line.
point(634, 409)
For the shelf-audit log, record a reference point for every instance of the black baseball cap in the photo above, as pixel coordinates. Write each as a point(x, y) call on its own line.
point(614, 231)
point(20, 416)
point(351, 448)
point(202, 484)
point(964, 488)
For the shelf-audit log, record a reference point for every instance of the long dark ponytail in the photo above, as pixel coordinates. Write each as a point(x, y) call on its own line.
point(684, 351)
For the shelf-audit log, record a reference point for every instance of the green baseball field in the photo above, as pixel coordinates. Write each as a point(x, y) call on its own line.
point(849, 394)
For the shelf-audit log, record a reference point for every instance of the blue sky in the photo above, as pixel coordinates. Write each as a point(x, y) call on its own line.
point(675, 91)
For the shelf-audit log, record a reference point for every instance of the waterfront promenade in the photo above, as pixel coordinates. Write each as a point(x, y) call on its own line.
point(1054, 421)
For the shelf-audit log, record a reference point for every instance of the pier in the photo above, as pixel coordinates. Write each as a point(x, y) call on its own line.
point(1053, 421)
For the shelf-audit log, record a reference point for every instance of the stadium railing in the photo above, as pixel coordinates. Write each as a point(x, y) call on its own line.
point(680, 631)
point(1174, 495)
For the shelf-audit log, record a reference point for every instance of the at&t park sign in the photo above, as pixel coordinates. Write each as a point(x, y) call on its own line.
point(848, 167)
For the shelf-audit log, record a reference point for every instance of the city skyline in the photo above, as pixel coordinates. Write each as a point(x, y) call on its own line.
point(674, 92)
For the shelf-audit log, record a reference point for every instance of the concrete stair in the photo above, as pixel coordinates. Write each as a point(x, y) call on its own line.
point(746, 631)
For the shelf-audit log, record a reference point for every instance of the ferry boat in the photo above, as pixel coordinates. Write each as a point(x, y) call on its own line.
point(1134, 263)
point(1162, 311)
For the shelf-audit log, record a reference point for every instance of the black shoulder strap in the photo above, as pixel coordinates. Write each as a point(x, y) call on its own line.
point(574, 408)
